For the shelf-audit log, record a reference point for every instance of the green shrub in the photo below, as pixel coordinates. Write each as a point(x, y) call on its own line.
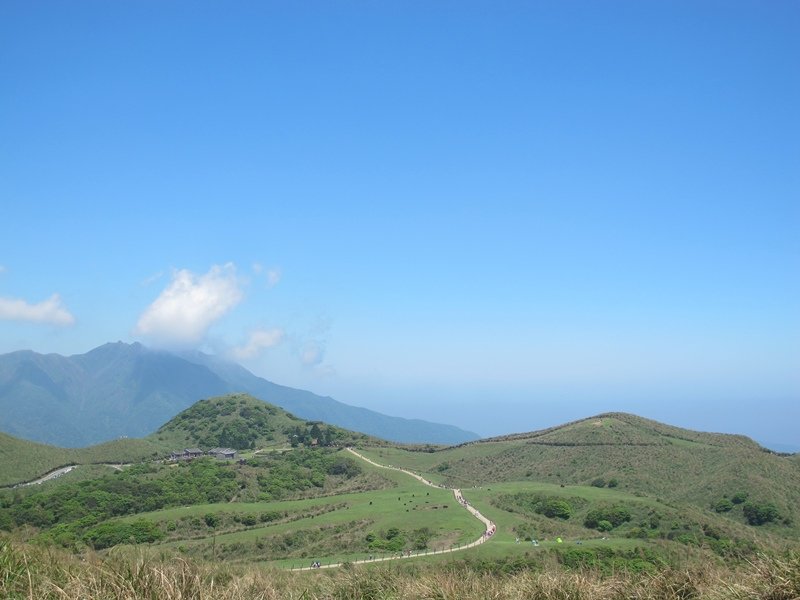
point(739, 497)
point(615, 515)
point(113, 533)
point(604, 525)
point(272, 515)
point(759, 514)
point(211, 519)
point(555, 508)
point(724, 505)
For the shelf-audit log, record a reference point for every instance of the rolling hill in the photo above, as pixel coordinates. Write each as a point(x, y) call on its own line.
point(238, 421)
point(615, 487)
point(630, 453)
point(126, 390)
point(22, 460)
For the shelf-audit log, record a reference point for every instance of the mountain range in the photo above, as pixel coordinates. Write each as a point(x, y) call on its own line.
point(127, 390)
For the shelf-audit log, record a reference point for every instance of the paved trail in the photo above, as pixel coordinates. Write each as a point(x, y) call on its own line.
point(490, 527)
point(63, 471)
point(49, 476)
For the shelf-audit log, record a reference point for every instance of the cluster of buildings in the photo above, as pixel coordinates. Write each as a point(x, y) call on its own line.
point(190, 453)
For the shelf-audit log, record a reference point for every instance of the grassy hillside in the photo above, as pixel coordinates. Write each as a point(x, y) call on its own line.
point(242, 422)
point(21, 460)
point(626, 429)
point(614, 492)
point(632, 455)
point(237, 421)
point(45, 574)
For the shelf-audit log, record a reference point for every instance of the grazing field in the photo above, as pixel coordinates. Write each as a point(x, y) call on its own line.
point(337, 528)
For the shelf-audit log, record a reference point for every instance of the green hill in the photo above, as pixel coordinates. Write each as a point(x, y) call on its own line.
point(241, 422)
point(238, 421)
point(631, 454)
point(627, 429)
point(625, 491)
point(22, 460)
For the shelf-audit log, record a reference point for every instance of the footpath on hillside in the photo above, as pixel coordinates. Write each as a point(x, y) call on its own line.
point(489, 526)
point(56, 473)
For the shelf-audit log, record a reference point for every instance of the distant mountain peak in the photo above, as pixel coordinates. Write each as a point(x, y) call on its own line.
point(121, 389)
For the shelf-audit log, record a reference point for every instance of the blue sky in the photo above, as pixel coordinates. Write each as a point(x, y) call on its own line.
point(499, 215)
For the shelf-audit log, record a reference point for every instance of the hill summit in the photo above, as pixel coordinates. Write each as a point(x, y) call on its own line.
point(234, 421)
point(240, 421)
point(624, 429)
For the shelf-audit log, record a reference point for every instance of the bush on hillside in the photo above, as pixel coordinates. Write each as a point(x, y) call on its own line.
point(211, 520)
point(113, 533)
point(555, 508)
point(723, 505)
point(614, 515)
point(759, 514)
point(604, 525)
point(739, 497)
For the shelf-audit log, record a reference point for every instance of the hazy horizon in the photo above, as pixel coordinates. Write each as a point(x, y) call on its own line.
point(491, 216)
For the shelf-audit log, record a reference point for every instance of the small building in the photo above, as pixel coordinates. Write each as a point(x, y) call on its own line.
point(223, 453)
point(186, 454)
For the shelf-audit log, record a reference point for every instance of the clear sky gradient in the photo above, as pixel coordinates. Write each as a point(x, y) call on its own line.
point(500, 215)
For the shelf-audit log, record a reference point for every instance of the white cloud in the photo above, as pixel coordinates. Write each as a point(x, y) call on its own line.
point(190, 304)
point(312, 354)
point(274, 277)
point(48, 311)
point(152, 279)
point(273, 274)
point(259, 340)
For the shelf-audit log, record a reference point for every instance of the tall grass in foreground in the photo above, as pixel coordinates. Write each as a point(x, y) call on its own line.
point(29, 572)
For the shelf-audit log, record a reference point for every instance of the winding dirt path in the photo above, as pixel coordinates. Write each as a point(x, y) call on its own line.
point(489, 530)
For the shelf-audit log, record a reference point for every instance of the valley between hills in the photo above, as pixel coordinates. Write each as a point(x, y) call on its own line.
point(614, 493)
